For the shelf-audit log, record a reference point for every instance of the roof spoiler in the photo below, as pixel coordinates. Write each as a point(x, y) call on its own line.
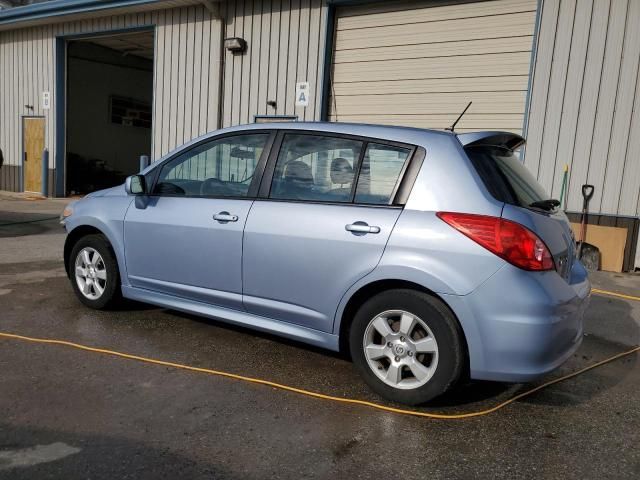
point(495, 139)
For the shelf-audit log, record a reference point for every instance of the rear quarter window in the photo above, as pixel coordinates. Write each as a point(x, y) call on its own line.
point(504, 175)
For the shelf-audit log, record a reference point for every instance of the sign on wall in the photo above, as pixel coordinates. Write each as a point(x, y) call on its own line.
point(46, 100)
point(302, 94)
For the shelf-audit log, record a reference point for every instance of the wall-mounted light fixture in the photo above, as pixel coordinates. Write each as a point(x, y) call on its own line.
point(29, 107)
point(235, 44)
point(272, 103)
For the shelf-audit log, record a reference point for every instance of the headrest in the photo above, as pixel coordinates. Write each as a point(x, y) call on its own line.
point(341, 171)
point(298, 171)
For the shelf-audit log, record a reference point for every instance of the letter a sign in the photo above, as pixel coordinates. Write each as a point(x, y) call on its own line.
point(302, 94)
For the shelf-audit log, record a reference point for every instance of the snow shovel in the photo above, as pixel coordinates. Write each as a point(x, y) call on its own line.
point(589, 254)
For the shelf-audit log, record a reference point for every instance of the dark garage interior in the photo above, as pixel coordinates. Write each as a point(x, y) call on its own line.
point(109, 96)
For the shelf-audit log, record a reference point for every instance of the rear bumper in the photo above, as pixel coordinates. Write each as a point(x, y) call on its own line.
point(521, 325)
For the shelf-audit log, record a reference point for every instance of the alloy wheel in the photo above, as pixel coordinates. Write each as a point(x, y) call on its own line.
point(400, 349)
point(91, 273)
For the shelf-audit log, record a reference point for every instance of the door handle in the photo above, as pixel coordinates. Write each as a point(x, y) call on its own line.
point(361, 228)
point(225, 217)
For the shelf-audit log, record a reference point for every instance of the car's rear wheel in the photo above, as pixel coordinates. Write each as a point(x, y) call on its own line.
point(93, 271)
point(407, 345)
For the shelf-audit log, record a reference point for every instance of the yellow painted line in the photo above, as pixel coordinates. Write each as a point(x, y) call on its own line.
point(321, 396)
point(615, 294)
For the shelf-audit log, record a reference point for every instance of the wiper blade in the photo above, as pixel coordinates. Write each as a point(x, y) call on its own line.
point(549, 204)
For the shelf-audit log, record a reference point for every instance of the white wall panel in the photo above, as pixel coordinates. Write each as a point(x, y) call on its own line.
point(588, 60)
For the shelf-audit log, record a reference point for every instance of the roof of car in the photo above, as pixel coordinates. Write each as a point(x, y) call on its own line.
point(409, 135)
point(387, 132)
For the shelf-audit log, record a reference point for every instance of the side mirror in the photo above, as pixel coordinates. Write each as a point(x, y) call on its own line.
point(135, 185)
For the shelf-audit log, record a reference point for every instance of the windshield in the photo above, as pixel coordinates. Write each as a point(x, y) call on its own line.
point(504, 175)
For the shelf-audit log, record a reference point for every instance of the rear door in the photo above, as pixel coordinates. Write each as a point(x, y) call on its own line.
point(508, 180)
point(324, 217)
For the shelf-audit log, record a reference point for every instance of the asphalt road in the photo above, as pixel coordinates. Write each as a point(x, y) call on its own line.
point(70, 414)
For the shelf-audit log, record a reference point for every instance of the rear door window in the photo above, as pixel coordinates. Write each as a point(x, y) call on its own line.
point(323, 168)
point(504, 175)
point(316, 168)
point(380, 173)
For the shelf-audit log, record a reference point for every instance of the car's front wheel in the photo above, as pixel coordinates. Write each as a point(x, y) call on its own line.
point(407, 345)
point(93, 271)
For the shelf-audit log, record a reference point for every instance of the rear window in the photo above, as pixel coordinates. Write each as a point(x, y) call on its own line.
point(504, 175)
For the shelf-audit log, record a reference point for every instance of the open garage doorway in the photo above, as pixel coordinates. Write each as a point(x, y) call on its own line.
point(108, 115)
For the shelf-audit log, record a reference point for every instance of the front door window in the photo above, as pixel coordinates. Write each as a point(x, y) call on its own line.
point(220, 168)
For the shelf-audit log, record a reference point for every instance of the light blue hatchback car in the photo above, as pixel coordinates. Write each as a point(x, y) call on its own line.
point(428, 256)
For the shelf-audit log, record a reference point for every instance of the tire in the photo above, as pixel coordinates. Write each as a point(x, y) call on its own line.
point(105, 293)
point(435, 341)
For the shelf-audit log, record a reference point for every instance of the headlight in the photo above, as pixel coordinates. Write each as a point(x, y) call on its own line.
point(67, 212)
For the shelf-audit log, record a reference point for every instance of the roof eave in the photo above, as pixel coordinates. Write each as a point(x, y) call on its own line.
point(59, 10)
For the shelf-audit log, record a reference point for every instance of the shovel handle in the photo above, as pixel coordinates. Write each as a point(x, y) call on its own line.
point(587, 192)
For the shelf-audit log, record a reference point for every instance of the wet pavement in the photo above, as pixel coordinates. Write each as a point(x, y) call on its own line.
point(73, 414)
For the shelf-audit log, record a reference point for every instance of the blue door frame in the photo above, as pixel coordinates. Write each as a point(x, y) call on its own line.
point(60, 95)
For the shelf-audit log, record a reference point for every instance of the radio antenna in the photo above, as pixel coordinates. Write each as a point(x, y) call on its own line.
point(458, 119)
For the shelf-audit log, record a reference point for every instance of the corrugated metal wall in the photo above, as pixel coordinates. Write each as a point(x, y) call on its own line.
point(286, 41)
point(585, 102)
point(187, 77)
point(186, 100)
point(26, 66)
point(285, 45)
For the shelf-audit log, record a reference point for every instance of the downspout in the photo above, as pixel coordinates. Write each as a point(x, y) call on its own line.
point(214, 9)
point(532, 66)
point(326, 67)
point(223, 27)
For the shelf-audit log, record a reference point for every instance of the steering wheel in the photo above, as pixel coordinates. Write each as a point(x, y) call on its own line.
point(218, 186)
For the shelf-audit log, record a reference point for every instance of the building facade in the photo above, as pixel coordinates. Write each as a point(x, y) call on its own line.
point(564, 73)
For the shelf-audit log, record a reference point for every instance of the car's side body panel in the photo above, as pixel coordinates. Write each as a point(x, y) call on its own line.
point(235, 317)
point(299, 259)
point(521, 325)
point(425, 251)
point(448, 182)
point(174, 246)
point(105, 212)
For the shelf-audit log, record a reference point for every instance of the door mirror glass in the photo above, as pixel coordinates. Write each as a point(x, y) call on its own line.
point(135, 185)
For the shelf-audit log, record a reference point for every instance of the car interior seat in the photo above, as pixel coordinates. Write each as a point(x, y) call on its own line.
point(297, 181)
point(342, 175)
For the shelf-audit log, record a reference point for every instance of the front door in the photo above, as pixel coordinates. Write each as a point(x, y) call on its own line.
point(185, 239)
point(323, 227)
point(33, 138)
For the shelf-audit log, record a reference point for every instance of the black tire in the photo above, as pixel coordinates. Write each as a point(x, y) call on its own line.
point(444, 327)
point(112, 294)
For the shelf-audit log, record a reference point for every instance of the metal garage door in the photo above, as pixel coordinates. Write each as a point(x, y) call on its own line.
point(420, 63)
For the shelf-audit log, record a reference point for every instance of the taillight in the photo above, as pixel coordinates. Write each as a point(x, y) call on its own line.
point(509, 240)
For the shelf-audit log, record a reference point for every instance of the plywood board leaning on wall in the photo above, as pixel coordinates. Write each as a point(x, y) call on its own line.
point(610, 240)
